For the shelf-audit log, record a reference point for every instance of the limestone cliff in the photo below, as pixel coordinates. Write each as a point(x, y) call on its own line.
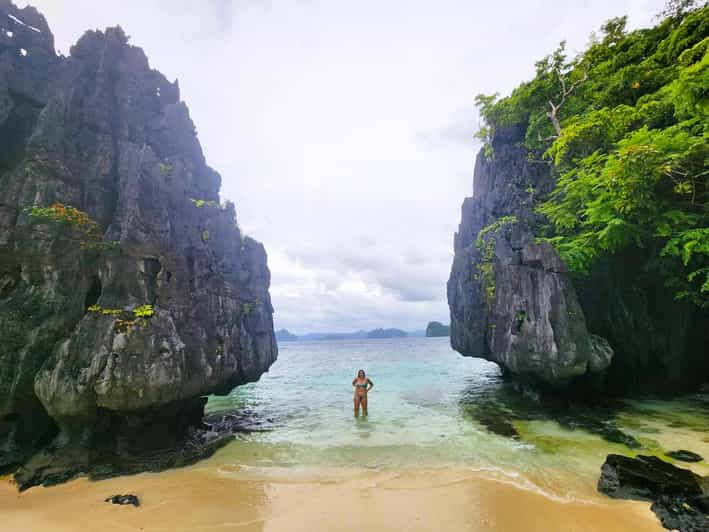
point(127, 292)
point(513, 301)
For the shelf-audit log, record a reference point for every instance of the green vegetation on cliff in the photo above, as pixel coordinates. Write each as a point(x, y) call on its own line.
point(625, 127)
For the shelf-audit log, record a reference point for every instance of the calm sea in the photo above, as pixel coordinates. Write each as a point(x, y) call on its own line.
point(432, 407)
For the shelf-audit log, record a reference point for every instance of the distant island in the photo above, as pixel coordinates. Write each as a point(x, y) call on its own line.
point(387, 333)
point(436, 328)
point(284, 335)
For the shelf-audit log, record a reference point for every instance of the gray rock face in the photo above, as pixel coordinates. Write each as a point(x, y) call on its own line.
point(102, 132)
point(511, 298)
point(513, 302)
point(659, 341)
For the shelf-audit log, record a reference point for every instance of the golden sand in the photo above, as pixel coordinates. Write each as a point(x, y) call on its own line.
point(224, 498)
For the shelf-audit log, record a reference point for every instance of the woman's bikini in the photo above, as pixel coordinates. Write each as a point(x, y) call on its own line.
point(361, 387)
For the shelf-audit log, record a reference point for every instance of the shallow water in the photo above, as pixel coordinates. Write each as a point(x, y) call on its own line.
point(431, 407)
point(448, 445)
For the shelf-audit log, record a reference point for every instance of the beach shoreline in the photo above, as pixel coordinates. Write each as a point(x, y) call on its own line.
point(224, 497)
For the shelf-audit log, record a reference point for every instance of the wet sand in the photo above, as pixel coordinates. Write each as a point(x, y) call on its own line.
point(224, 498)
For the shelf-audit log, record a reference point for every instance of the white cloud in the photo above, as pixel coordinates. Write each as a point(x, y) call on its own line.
point(343, 130)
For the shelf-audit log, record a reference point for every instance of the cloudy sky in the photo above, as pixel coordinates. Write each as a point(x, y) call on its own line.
point(343, 129)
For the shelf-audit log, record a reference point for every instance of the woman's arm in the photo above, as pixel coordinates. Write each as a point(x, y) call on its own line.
point(354, 382)
point(371, 384)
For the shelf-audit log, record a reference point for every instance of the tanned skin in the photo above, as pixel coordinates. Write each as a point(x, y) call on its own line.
point(362, 384)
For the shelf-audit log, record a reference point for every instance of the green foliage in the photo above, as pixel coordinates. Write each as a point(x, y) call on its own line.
point(485, 234)
point(81, 227)
point(88, 230)
point(485, 133)
point(248, 306)
point(199, 203)
point(126, 320)
point(143, 311)
point(633, 154)
point(165, 168)
point(485, 243)
point(105, 311)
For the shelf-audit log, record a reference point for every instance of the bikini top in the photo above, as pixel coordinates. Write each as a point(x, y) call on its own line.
point(363, 385)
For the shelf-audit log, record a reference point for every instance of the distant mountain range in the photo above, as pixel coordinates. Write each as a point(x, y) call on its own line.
point(284, 335)
point(387, 333)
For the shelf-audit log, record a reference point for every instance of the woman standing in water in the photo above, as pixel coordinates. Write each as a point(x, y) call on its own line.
point(362, 385)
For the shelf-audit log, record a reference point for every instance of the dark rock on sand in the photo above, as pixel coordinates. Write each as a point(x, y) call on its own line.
point(124, 500)
point(679, 496)
point(133, 455)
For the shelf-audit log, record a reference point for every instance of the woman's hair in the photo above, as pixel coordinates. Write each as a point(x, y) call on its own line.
point(362, 372)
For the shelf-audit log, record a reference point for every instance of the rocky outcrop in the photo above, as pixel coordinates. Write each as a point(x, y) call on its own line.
point(437, 329)
point(284, 335)
point(513, 301)
point(127, 292)
point(511, 298)
point(680, 498)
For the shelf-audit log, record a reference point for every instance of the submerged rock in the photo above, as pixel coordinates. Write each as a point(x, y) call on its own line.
point(685, 456)
point(680, 497)
point(127, 292)
point(499, 408)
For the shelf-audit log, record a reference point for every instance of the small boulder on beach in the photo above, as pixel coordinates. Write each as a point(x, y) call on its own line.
point(124, 500)
point(678, 495)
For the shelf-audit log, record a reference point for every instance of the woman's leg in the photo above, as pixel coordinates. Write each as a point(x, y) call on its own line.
point(356, 405)
point(364, 405)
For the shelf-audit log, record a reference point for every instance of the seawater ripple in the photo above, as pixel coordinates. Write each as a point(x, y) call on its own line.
point(431, 407)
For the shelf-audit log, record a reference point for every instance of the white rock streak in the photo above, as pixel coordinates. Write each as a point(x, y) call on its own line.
point(15, 19)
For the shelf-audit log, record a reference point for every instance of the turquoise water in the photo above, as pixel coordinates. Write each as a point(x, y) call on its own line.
point(432, 407)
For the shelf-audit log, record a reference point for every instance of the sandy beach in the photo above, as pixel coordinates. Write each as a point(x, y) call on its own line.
point(203, 498)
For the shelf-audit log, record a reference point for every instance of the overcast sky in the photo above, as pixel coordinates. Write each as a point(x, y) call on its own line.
point(343, 129)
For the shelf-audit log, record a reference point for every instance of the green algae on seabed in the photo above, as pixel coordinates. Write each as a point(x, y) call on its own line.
point(550, 437)
point(678, 413)
point(495, 418)
point(632, 422)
